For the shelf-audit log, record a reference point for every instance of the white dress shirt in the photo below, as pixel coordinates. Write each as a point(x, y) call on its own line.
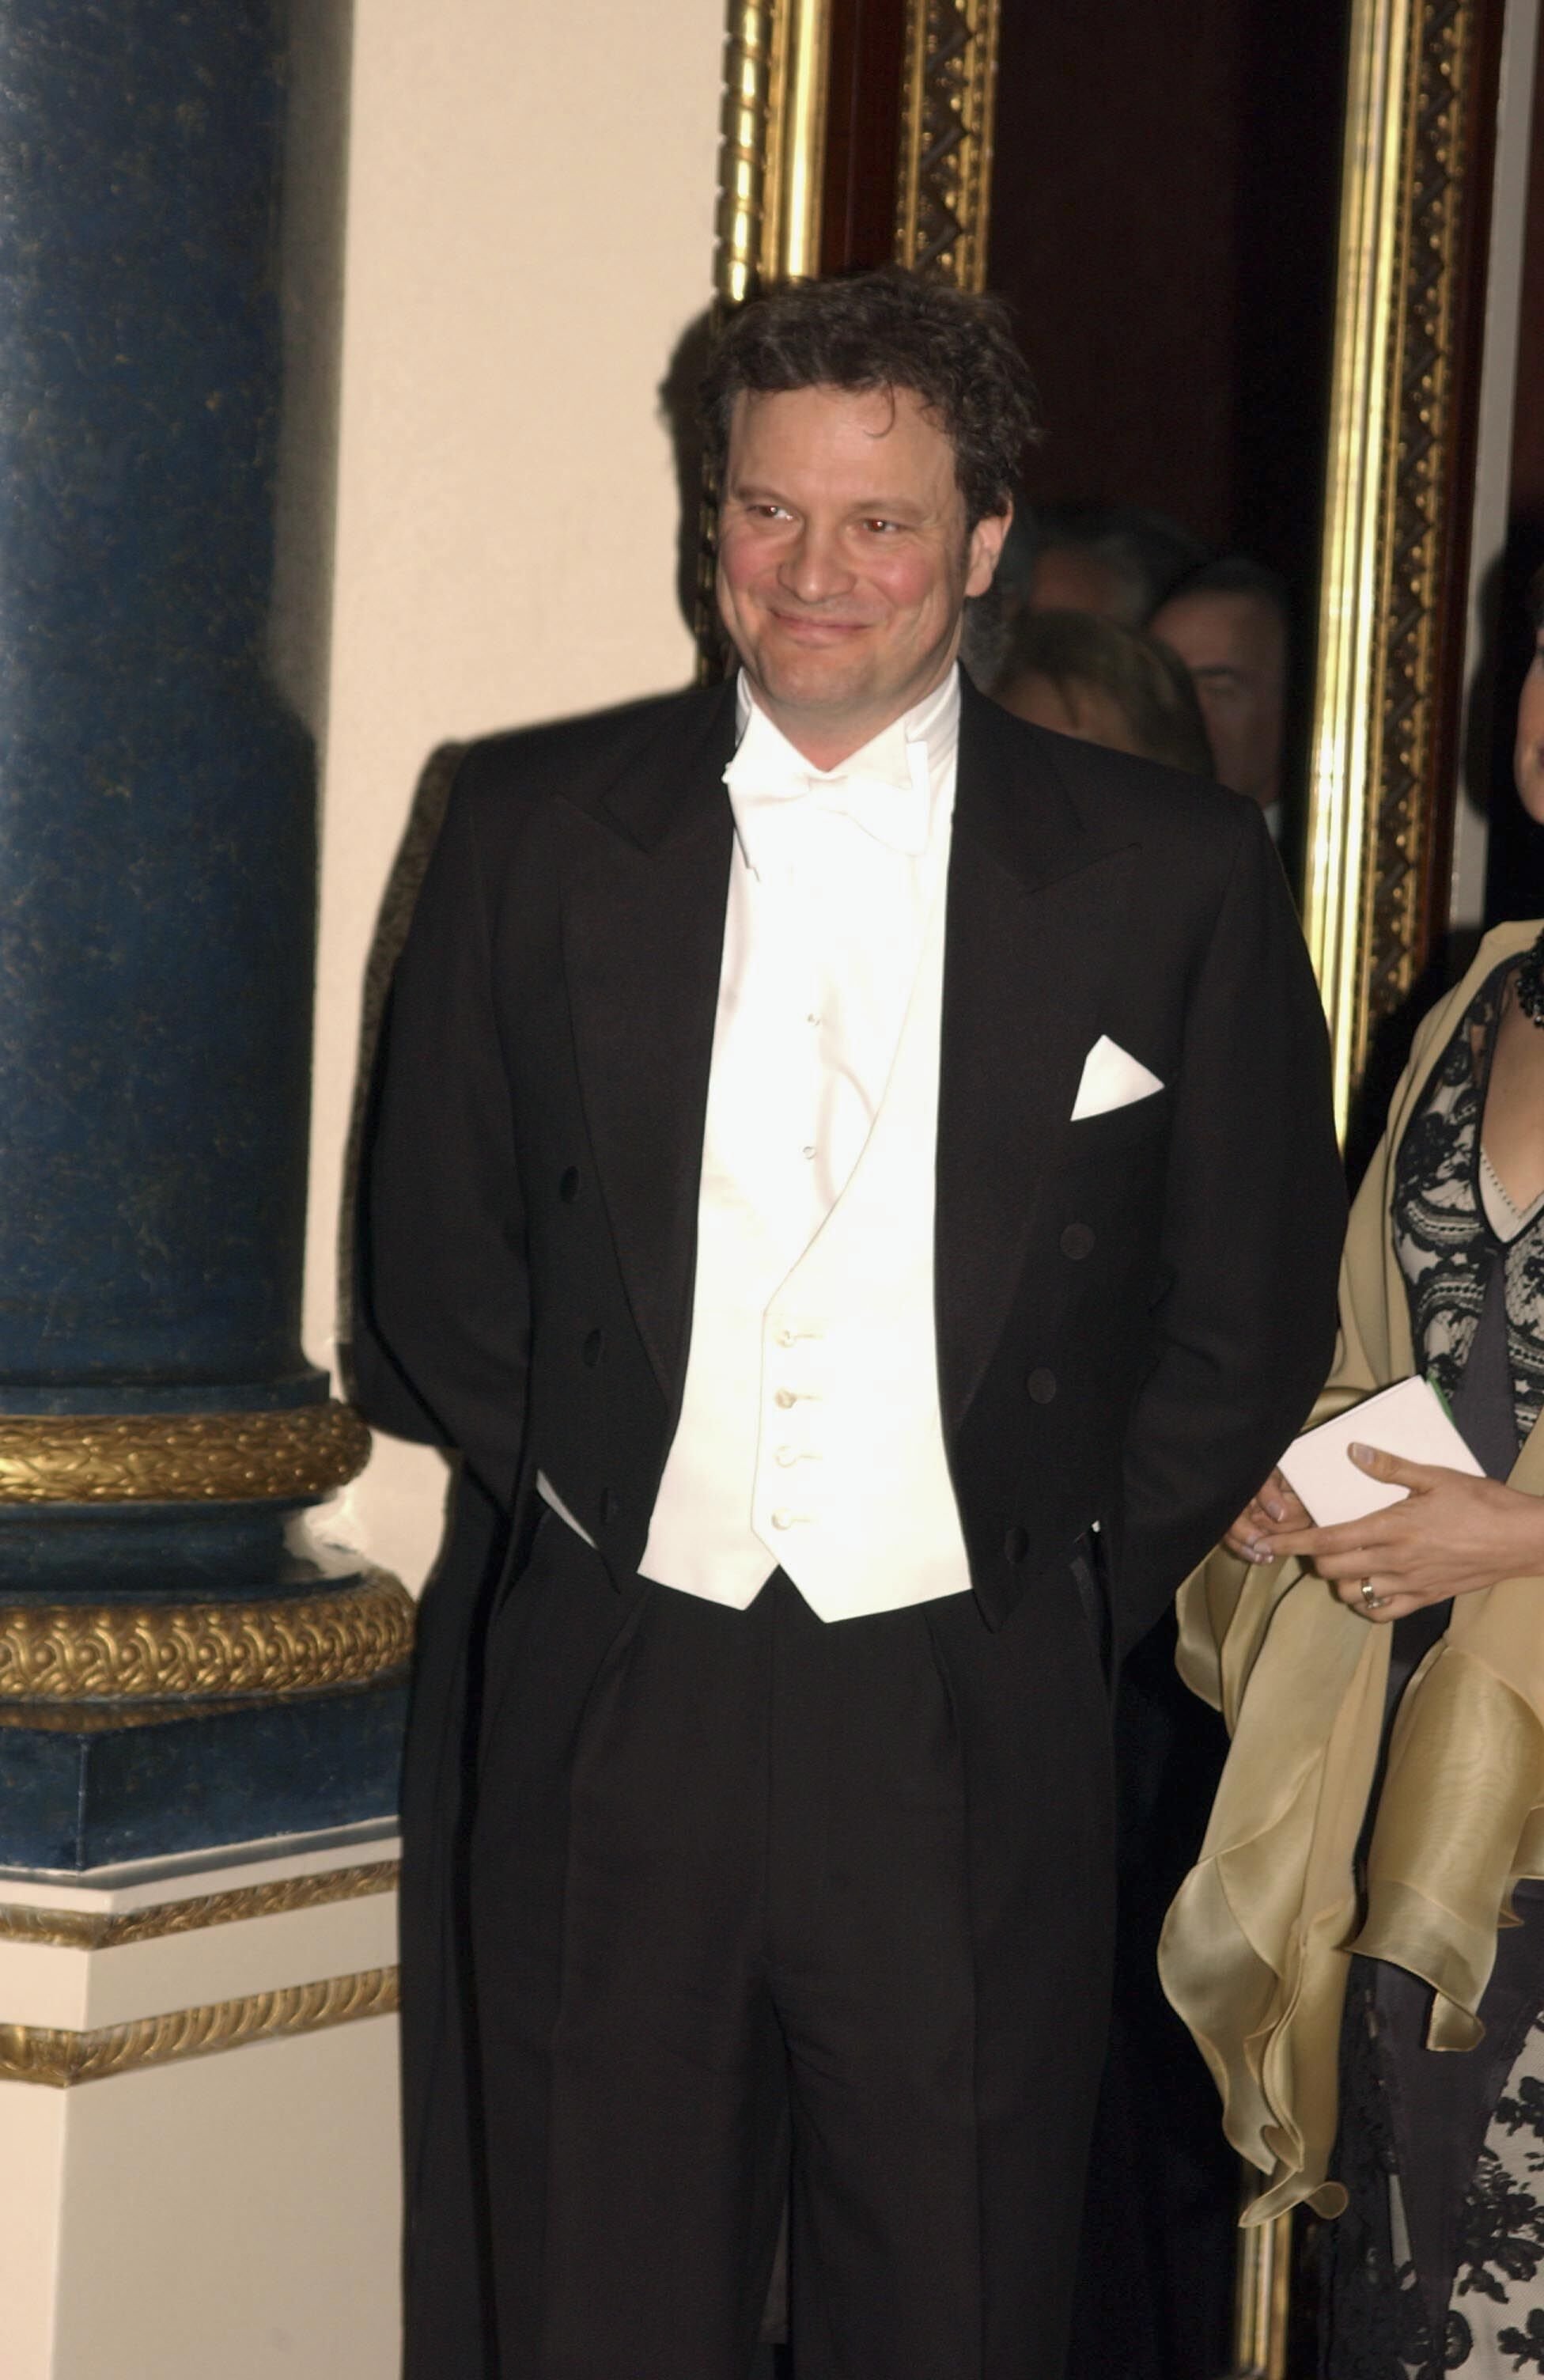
point(821, 941)
point(836, 890)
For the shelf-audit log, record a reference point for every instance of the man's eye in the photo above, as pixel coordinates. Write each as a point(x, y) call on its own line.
point(887, 527)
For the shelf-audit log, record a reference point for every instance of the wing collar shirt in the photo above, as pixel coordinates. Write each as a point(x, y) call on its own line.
point(835, 877)
point(828, 898)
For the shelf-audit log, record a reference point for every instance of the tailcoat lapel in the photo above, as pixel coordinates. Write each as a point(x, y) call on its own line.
point(1033, 910)
point(643, 942)
point(1035, 902)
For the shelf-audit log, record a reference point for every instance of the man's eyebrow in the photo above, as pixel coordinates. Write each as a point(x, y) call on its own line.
point(873, 507)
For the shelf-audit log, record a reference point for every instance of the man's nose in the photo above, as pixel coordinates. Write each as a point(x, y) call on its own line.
point(814, 567)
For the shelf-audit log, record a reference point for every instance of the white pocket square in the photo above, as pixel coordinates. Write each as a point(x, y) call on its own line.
point(1111, 1079)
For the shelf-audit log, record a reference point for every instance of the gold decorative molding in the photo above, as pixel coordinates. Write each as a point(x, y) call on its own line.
point(796, 155)
point(771, 171)
point(300, 1452)
point(151, 1652)
point(943, 195)
point(1373, 795)
point(86, 1929)
point(48, 2054)
point(1262, 2297)
point(772, 155)
point(743, 149)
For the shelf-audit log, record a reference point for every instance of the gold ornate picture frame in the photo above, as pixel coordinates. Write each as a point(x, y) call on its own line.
point(1396, 508)
point(944, 178)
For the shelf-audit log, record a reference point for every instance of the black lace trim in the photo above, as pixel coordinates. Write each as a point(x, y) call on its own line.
point(1442, 1238)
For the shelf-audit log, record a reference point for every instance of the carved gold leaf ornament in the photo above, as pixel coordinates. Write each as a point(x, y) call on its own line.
point(944, 198)
point(88, 1929)
point(150, 1652)
point(51, 2055)
point(302, 1452)
point(1437, 103)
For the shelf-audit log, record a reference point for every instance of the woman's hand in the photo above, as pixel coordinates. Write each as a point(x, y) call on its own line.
point(1275, 1507)
point(1452, 1535)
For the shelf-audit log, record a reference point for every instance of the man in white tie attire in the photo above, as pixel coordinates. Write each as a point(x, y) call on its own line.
point(853, 1180)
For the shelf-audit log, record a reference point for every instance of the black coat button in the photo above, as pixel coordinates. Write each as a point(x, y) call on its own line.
point(1016, 1545)
point(1042, 1385)
point(1076, 1242)
point(594, 1342)
point(609, 1503)
point(568, 1186)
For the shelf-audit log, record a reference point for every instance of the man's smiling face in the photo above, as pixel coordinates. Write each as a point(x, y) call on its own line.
point(844, 560)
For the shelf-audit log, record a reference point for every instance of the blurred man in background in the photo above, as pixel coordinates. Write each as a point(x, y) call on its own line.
point(1117, 561)
point(1228, 623)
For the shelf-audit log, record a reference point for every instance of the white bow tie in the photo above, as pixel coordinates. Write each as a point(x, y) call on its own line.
point(894, 813)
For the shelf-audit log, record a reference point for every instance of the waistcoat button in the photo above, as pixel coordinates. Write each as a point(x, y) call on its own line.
point(1042, 1385)
point(1076, 1242)
point(594, 1342)
point(1016, 1545)
point(568, 1184)
point(608, 1502)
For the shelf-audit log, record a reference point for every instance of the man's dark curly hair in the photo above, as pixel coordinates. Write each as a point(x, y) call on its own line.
point(892, 329)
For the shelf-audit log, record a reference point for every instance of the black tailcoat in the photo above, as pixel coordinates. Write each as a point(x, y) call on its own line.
point(1134, 1311)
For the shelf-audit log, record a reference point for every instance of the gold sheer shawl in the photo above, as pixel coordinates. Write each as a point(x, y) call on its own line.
point(1256, 1946)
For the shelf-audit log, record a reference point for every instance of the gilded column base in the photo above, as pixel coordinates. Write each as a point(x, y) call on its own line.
point(154, 1653)
point(179, 1665)
point(294, 1454)
point(85, 1786)
point(317, 1949)
point(198, 2114)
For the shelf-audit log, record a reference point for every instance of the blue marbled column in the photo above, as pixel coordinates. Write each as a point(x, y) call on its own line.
point(169, 178)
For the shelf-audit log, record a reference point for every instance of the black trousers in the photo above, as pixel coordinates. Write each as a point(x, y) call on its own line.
point(755, 1896)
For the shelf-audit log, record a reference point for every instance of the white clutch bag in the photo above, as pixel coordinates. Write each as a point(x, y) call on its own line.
point(1409, 1419)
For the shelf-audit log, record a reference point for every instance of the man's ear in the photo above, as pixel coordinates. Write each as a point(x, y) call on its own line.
point(985, 549)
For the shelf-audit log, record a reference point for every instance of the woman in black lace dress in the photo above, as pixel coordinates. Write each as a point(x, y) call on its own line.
point(1375, 1866)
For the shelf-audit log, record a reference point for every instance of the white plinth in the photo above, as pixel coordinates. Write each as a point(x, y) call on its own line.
point(201, 2180)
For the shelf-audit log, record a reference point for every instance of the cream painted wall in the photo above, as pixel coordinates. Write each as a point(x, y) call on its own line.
point(232, 2217)
point(530, 229)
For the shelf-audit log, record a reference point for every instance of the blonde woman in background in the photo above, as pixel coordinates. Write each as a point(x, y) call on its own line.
point(1106, 683)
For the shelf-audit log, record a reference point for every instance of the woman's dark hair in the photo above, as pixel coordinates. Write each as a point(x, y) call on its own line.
point(1149, 685)
point(887, 330)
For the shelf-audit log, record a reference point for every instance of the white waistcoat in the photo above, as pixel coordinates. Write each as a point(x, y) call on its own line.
point(809, 1433)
